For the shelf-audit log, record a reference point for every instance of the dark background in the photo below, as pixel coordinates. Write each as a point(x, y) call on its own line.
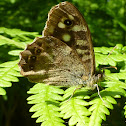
point(107, 22)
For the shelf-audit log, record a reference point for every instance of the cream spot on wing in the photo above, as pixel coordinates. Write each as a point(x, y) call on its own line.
point(85, 57)
point(61, 25)
point(71, 17)
point(66, 37)
point(80, 51)
point(31, 72)
point(51, 29)
point(79, 28)
point(81, 42)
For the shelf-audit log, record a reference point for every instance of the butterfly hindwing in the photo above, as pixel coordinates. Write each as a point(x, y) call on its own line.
point(53, 62)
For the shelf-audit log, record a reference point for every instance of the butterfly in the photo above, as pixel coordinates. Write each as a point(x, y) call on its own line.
point(64, 54)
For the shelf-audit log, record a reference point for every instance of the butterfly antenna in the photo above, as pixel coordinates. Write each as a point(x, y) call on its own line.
point(74, 92)
point(110, 67)
point(107, 57)
point(109, 54)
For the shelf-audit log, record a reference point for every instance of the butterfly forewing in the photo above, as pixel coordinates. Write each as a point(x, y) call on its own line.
point(67, 24)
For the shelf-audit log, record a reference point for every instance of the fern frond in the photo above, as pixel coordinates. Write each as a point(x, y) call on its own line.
point(98, 110)
point(14, 33)
point(113, 83)
point(46, 106)
point(9, 72)
point(116, 56)
point(75, 111)
point(14, 52)
point(5, 40)
point(16, 37)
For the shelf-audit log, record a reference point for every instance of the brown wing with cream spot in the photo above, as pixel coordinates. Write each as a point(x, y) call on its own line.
point(51, 61)
point(67, 24)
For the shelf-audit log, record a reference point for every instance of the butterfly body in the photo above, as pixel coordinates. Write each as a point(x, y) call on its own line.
point(64, 54)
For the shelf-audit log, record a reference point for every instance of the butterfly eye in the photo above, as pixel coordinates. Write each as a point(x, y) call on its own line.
point(68, 22)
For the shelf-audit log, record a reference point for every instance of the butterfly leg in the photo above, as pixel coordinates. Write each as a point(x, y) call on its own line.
point(74, 92)
point(96, 85)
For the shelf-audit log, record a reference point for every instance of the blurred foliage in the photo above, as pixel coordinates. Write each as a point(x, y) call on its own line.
point(105, 18)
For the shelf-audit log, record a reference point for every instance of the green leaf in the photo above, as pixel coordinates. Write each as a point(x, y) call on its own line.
point(2, 91)
point(15, 52)
point(46, 106)
point(74, 110)
point(4, 40)
point(9, 73)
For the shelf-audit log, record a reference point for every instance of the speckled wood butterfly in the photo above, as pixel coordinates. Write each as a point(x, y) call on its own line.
point(64, 54)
